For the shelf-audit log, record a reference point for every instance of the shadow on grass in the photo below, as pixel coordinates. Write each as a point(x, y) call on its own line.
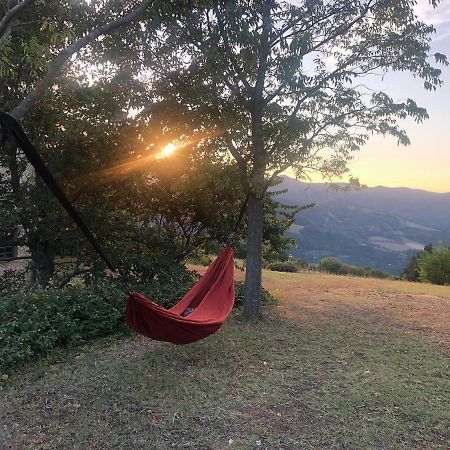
point(335, 383)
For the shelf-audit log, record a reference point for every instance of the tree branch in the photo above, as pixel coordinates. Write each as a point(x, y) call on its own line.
point(242, 164)
point(57, 64)
point(11, 14)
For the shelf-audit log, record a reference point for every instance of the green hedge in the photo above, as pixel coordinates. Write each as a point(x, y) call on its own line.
point(333, 265)
point(283, 267)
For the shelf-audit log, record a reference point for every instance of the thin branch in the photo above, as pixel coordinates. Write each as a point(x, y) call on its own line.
point(338, 32)
point(57, 64)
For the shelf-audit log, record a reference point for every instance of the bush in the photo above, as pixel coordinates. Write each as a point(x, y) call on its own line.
point(434, 266)
point(267, 297)
point(330, 265)
point(12, 281)
point(411, 271)
point(283, 267)
point(333, 265)
point(34, 323)
point(37, 322)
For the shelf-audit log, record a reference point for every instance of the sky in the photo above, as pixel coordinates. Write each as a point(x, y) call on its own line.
point(425, 164)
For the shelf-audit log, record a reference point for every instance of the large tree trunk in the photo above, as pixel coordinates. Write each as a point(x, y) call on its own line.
point(252, 302)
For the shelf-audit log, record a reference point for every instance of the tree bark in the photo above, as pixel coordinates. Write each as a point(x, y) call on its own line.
point(10, 15)
point(43, 261)
point(252, 303)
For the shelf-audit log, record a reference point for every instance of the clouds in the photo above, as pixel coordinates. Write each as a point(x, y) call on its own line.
point(439, 17)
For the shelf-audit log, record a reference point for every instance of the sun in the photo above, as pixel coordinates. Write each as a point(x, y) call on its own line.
point(166, 151)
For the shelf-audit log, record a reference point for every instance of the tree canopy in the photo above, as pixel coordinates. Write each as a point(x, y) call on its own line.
point(283, 87)
point(250, 88)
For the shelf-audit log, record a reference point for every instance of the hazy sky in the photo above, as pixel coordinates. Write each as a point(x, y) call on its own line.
point(425, 163)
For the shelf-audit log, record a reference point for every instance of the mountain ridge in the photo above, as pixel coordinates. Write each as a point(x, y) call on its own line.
point(380, 226)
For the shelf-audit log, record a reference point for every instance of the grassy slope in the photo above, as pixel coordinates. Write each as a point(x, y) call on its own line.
point(340, 363)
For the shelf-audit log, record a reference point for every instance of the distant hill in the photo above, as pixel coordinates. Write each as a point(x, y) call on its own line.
point(379, 227)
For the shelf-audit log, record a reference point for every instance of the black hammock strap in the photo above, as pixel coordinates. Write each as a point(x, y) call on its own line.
point(240, 216)
point(11, 126)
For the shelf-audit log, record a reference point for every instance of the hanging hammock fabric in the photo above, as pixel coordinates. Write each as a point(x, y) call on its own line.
point(198, 314)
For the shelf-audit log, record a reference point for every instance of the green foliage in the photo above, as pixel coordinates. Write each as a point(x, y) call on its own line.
point(330, 265)
point(434, 266)
point(283, 267)
point(333, 265)
point(248, 60)
point(411, 271)
point(37, 322)
point(12, 281)
point(266, 297)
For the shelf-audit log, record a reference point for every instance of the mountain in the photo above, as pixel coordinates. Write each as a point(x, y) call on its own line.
point(379, 227)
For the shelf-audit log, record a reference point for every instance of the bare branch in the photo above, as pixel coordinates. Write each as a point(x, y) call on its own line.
point(58, 63)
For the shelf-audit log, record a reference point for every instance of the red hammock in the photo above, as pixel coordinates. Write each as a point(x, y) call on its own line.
point(198, 314)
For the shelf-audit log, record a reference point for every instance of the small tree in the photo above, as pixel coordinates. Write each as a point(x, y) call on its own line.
point(434, 266)
point(411, 271)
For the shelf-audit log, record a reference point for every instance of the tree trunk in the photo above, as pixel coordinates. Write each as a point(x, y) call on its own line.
point(43, 262)
point(252, 302)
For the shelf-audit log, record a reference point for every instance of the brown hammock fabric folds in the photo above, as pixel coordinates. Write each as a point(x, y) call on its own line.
point(198, 314)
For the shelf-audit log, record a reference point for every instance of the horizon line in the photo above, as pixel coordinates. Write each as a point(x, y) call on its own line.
point(369, 186)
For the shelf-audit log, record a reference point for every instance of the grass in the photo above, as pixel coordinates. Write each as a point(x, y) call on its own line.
point(340, 363)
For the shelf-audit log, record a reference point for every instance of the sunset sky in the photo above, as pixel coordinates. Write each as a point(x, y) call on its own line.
point(424, 164)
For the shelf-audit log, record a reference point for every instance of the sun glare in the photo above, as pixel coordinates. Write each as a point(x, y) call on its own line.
point(166, 151)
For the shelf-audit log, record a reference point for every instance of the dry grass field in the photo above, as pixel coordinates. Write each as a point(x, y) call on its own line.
point(339, 363)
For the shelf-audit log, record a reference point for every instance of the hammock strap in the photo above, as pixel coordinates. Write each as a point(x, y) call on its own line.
point(9, 124)
point(237, 225)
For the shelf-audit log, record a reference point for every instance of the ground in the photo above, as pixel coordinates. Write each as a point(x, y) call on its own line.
point(340, 363)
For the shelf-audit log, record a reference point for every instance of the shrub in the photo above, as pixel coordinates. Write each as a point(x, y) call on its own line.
point(411, 271)
point(37, 322)
point(330, 265)
point(34, 323)
point(434, 266)
point(267, 297)
point(283, 267)
point(12, 281)
point(333, 265)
